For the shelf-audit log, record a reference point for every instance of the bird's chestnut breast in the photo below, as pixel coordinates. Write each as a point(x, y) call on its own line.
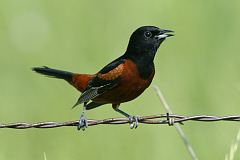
point(130, 86)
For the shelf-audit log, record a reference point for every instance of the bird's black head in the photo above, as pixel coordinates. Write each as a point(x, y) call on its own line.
point(145, 41)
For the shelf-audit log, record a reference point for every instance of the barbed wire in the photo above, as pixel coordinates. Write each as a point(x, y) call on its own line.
point(169, 119)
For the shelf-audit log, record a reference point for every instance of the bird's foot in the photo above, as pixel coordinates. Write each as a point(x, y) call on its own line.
point(133, 121)
point(83, 124)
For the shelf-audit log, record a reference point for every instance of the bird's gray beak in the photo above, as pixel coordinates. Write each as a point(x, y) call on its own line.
point(164, 33)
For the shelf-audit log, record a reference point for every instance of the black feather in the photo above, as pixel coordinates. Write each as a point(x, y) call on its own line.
point(92, 105)
point(54, 73)
point(112, 65)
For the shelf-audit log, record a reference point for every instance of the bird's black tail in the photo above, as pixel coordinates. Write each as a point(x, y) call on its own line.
point(54, 73)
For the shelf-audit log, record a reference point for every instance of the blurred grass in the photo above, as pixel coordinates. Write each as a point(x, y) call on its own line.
point(198, 70)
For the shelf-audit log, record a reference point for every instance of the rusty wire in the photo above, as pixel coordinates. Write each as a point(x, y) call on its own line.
point(169, 119)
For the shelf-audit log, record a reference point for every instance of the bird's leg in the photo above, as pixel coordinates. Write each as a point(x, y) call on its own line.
point(83, 124)
point(133, 119)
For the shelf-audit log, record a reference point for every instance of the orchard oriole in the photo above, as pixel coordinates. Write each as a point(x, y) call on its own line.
point(122, 80)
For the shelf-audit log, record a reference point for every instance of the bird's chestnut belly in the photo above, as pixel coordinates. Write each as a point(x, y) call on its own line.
point(129, 88)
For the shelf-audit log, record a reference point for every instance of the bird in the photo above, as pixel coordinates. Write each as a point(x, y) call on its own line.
point(122, 80)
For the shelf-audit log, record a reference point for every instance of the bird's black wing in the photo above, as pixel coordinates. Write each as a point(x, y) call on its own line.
point(105, 79)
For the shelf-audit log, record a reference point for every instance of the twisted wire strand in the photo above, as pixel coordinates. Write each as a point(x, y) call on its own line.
point(169, 119)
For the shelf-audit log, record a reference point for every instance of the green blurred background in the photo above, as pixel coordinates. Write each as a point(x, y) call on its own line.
point(198, 71)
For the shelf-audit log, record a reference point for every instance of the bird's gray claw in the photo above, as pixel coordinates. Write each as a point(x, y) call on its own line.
point(133, 121)
point(83, 124)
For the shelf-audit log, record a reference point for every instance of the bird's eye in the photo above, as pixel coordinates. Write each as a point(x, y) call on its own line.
point(148, 34)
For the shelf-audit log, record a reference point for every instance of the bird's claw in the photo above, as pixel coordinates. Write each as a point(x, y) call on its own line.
point(83, 124)
point(133, 121)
